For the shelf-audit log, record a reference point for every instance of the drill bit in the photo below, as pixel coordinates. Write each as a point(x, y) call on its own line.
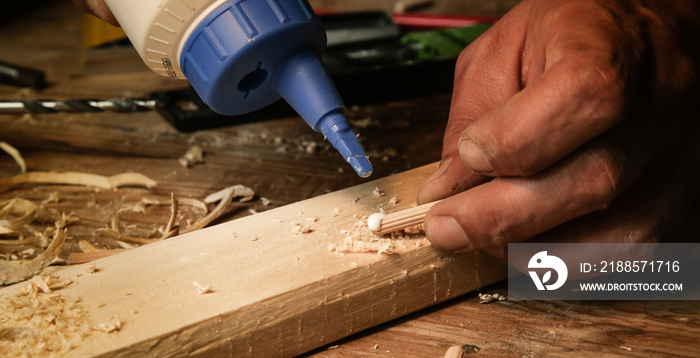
point(77, 105)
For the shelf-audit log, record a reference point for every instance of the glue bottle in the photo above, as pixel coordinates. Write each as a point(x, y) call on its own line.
point(242, 55)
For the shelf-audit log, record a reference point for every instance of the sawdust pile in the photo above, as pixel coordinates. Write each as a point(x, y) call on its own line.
point(40, 322)
point(360, 239)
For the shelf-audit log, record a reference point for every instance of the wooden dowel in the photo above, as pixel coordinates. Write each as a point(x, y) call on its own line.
point(400, 219)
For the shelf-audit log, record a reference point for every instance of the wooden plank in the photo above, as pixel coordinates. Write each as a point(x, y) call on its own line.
point(274, 292)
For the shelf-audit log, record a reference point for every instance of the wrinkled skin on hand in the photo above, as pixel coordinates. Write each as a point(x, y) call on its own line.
point(97, 8)
point(573, 121)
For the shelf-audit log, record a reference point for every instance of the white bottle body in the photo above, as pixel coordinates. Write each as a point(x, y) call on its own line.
point(158, 29)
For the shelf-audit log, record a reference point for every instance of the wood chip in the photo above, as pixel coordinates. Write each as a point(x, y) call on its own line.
point(300, 229)
point(488, 298)
point(377, 192)
point(114, 325)
point(193, 156)
point(201, 289)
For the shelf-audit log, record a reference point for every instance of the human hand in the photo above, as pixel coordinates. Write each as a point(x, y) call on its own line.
point(97, 8)
point(585, 114)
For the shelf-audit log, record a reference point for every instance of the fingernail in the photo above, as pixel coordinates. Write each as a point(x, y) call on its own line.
point(474, 157)
point(446, 233)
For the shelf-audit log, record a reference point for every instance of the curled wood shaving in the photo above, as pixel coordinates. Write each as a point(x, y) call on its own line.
point(13, 272)
point(170, 230)
point(14, 153)
point(170, 227)
point(116, 233)
point(246, 194)
point(224, 197)
point(77, 178)
point(26, 208)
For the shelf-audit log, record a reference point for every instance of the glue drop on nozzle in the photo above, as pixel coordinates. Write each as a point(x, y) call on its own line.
point(242, 55)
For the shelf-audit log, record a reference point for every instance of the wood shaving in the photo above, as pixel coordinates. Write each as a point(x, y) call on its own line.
point(14, 153)
point(114, 325)
point(14, 207)
point(488, 298)
point(115, 231)
point(360, 239)
point(76, 178)
point(52, 199)
point(300, 229)
point(169, 231)
point(224, 197)
point(124, 245)
point(377, 192)
point(193, 156)
point(242, 191)
point(86, 246)
point(40, 322)
point(13, 272)
point(170, 227)
point(394, 200)
point(201, 289)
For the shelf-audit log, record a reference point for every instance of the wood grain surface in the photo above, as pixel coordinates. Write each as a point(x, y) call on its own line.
point(273, 290)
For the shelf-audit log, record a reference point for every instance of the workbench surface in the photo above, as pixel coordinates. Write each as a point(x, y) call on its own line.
point(284, 161)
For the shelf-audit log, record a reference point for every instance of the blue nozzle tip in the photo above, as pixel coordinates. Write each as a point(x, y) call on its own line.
point(336, 129)
point(361, 165)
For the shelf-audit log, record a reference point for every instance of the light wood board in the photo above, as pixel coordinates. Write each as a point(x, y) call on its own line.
point(275, 293)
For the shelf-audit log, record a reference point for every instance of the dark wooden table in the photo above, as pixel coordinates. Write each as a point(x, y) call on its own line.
point(284, 161)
